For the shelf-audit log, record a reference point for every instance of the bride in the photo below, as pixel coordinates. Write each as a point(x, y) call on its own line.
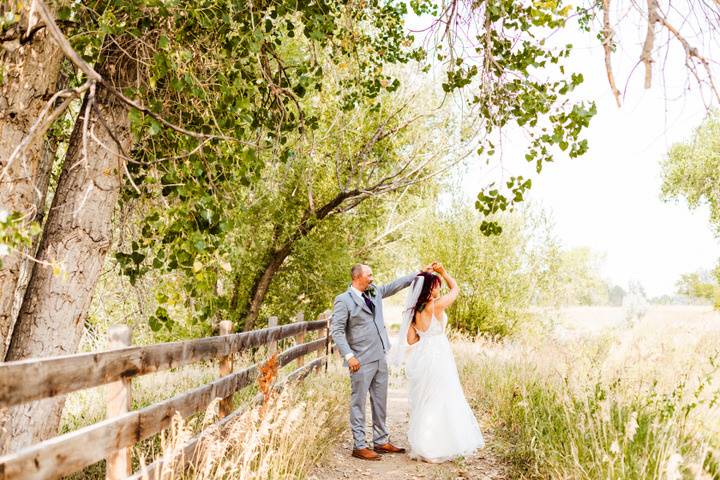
point(442, 425)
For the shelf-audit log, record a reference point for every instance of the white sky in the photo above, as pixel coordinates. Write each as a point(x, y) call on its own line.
point(609, 199)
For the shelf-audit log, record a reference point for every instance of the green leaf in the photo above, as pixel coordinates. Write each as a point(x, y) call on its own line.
point(155, 127)
point(163, 42)
point(64, 13)
point(155, 325)
point(135, 116)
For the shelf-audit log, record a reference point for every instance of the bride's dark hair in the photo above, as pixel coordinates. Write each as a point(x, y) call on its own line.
point(430, 281)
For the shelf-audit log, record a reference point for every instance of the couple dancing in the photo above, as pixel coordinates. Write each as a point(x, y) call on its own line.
point(442, 425)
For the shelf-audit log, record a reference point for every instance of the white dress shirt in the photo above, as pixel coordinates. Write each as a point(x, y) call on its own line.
point(357, 292)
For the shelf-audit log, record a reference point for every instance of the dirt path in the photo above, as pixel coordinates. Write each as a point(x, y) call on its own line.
point(338, 464)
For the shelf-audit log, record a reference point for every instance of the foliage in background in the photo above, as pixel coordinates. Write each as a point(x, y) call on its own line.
point(13, 236)
point(576, 279)
point(503, 277)
point(512, 77)
point(615, 295)
point(635, 303)
point(498, 275)
point(303, 103)
point(701, 285)
point(691, 170)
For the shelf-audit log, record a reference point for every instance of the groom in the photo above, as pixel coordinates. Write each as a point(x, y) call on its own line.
point(358, 330)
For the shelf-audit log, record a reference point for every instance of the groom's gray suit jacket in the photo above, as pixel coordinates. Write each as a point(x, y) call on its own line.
point(353, 328)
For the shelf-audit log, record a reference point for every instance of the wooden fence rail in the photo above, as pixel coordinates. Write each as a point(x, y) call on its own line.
point(112, 438)
point(26, 380)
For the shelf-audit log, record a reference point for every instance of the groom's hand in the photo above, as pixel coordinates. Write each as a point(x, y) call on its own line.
point(354, 365)
point(428, 268)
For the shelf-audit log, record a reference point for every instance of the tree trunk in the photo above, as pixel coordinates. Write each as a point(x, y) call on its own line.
point(262, 284)
point(275, 260)
point(42, 183)
point(30, 65)
point(77, 234)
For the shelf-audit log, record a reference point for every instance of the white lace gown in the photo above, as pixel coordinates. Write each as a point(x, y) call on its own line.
point(442, 424)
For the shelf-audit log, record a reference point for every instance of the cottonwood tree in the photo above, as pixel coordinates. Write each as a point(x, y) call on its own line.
point(378, 167)
point(29, 71)
point(165, 67)
point(700, 284)
point(691, 172)
point(77, 231)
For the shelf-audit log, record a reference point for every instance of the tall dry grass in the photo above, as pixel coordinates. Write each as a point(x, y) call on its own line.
point(298, 426)
point(282, 440)
point(609, 400)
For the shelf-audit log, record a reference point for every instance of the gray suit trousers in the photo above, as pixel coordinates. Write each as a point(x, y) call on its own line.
point(373, 378)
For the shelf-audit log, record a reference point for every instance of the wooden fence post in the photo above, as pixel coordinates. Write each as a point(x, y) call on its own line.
point(300, 339)
point(328, 344)
point(118, 398)
point(322, 352)
point(272, 346)
point(226, 367)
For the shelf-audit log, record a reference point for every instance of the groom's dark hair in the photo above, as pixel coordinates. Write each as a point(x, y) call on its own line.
point(356, 271)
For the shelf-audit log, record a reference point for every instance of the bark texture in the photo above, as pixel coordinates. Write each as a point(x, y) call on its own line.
point(78, 235)
point(30, 64)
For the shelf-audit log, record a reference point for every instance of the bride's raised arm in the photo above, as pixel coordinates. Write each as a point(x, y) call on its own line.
point(447, 299)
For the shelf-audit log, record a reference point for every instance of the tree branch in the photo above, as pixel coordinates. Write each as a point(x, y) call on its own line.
point(690, 53)
point(43, 122)
point(607, 46)
point(646, 55)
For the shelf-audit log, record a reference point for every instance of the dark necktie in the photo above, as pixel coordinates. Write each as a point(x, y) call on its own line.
point(368, 302)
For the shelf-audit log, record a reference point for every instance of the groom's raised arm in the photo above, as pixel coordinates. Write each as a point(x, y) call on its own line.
point(338, 324)
point(393, 287)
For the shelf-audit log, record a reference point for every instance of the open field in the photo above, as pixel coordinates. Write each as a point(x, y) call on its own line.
point(594, 396)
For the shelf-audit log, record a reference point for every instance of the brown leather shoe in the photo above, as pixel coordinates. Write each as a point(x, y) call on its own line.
point(388, 448)
point(365, 454)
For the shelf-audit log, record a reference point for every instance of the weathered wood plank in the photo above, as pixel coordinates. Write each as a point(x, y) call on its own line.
point(303, 371)
point(299, 350)
point(34, 379)
point(272, 346)
point(324, 317)
point(300, 338)
point(71, 452)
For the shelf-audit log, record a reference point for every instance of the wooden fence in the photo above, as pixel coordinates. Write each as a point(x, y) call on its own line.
point(112, 439)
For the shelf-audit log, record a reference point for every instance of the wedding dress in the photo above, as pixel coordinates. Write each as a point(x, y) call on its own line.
point(442, 425)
